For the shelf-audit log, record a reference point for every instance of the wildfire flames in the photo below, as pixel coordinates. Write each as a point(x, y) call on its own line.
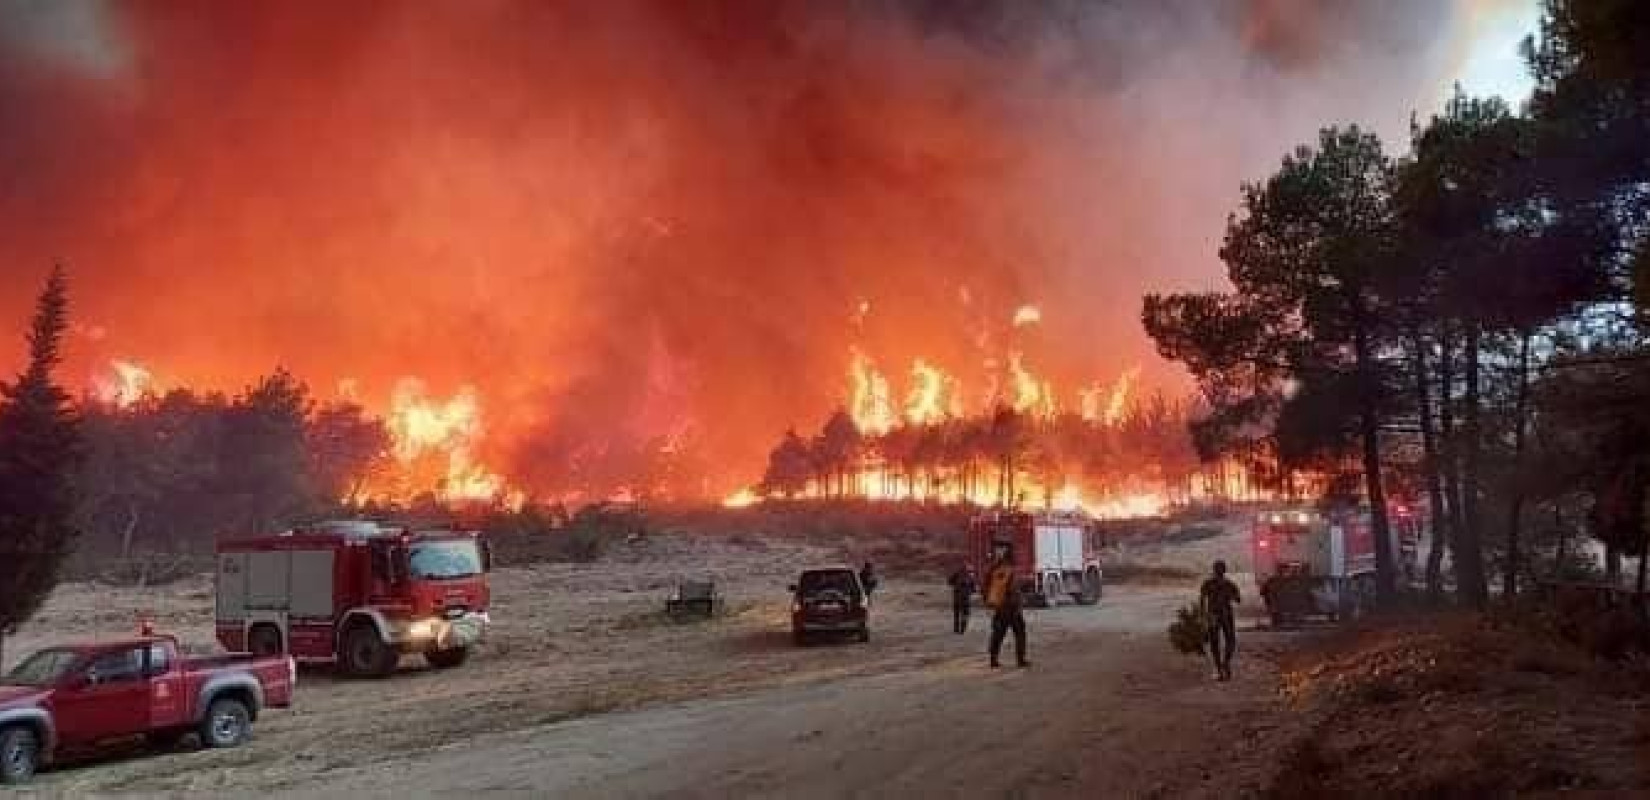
point(636, 238)
point(435, 444)
point(125, 384)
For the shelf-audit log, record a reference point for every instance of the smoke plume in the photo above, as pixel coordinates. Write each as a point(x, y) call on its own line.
point(638, 221)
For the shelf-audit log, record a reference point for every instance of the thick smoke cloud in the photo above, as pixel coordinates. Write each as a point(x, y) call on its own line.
point(625, 220)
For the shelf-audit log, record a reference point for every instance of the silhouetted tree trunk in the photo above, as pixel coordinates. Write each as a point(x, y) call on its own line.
point(1448, 450)
point(1386, 588)
point(1430, 468)
point(1563, 542)
point(1509, 583)
point(1469, 554)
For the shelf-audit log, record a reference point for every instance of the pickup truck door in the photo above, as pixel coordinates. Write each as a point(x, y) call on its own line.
point(168, 700)
point(110, 699)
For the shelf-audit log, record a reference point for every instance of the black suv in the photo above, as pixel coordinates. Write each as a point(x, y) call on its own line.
point(830, 601)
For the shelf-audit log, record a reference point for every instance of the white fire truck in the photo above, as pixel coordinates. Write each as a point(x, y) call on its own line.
point(1056, 553)
point(1313, 563)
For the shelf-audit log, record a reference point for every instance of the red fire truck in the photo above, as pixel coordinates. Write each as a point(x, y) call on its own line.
point(1309, 562)
point(1056, 553)
point(356, 593)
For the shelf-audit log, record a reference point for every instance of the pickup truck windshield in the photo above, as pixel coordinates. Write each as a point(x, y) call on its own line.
point(42, 669)
point(438, 560)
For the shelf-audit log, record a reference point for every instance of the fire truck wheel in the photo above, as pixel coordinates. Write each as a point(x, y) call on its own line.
point(447, 659)
point(228, 723)
point(19, 754)
point(366, 654)
point(265, 640)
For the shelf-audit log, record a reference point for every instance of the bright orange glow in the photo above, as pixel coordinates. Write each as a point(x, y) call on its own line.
point(932, 396)
point(1032, 395)
point(127, 383)
point(435, 445)
point(743, 498)
point(870, 403)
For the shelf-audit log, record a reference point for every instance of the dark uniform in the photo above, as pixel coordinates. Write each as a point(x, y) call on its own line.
point(1006, 614)
point(868, 579)
point(1218, 595)
point(962, 591)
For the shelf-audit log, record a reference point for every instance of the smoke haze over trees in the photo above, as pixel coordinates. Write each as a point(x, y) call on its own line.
point(607, 216)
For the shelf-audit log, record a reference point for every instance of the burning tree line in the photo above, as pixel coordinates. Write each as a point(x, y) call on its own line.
point(1468, 320)
point(171, 471)
point(1005, 457)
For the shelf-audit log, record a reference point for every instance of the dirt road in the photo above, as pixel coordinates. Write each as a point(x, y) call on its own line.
point(1104, 709)
point(585, 690)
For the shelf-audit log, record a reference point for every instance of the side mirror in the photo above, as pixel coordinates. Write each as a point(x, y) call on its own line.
point(790, 588)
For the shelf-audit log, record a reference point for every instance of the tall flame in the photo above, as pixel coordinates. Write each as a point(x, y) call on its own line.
point(450, 431)
point(932, 396)
point(1032, 395)
point(1109, 405)
point(126, 384)
point(870, 402)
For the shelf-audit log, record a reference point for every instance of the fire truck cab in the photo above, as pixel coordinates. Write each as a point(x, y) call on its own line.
point(1309, 562)
point(1056, 553)
point(358, 594)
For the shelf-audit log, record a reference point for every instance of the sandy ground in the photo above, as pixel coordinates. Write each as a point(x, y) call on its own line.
point(585, 690)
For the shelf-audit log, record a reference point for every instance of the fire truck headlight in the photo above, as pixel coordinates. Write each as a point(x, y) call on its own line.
point(422, 629)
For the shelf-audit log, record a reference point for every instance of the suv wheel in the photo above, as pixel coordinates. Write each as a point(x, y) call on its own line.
point(19, 754)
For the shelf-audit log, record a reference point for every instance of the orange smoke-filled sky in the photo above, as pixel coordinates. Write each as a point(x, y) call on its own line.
point(619, 219)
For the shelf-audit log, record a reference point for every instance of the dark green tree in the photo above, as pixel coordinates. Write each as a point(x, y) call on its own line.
point(1306, 257)
point(39, 454)
point(346, 447)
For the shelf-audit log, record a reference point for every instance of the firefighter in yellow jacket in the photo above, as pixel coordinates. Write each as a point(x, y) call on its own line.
point(1003, 597)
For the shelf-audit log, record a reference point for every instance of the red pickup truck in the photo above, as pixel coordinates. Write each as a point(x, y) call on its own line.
point(76, 697)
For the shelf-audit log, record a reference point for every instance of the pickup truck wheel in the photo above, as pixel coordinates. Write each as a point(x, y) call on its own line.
point(447, 659)
point(228, 723)
point(366, 654)
point(19, 754)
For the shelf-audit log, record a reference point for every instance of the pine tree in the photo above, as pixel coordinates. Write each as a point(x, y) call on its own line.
point(39, 454)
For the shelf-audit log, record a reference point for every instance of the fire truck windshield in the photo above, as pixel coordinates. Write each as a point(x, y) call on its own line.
point(439, 560)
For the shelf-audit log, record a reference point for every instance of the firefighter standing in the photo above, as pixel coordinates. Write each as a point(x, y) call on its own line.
point(868, 579)
point(1218, 595)
point(1004, 599)
point(963, 587)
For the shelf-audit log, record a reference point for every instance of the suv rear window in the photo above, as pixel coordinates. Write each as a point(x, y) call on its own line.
point(840, 580)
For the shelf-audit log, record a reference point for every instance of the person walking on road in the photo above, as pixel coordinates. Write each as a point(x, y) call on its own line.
point(868, 579)
point(1218, 595)
point(963, 587)
point(1006, 614)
